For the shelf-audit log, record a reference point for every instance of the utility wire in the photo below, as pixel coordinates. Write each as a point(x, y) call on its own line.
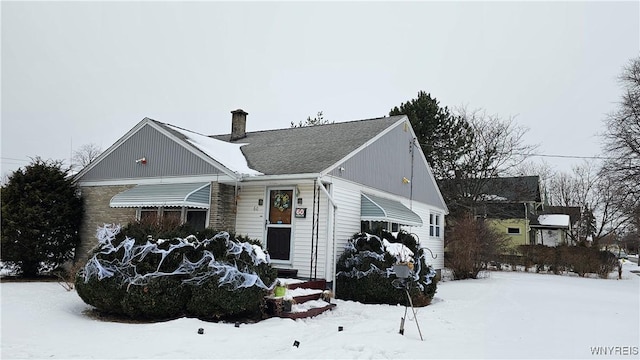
point(570, 156)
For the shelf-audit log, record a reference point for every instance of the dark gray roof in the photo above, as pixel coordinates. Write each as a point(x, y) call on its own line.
point(499, 189)
point(309, 149)
point(514, 189)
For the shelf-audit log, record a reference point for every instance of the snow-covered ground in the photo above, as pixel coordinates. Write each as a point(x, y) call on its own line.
point(505, 315)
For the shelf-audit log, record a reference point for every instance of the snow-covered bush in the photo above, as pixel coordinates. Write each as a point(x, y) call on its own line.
point(211, 278)
point(365, 270)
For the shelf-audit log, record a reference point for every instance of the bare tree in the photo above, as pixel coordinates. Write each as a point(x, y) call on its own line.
point(622, 144)
point(622, 135)
point(603, 203)
point(497, 148)
point(85, 154)
point(542, 170)
point(498, 145)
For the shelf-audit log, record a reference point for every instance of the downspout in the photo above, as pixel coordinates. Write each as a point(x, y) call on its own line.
point(333, 235)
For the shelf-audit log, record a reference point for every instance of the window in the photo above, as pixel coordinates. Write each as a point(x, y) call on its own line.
point(197, 218)
point(513, 231)
point(376, 226)
point(172, 216)
point(434, 225)
point(148, 214)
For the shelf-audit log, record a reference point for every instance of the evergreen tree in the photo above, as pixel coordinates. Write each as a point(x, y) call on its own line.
point(318, 120)
point(443, 136)
point(41, 215)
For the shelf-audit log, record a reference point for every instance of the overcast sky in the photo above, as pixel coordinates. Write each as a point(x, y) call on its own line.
point(75, 73)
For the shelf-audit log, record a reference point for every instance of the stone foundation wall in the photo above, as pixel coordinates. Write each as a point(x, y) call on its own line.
point(222, 215)
point(98, 212)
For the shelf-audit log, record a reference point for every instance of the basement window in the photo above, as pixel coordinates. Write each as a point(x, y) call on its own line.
point(513, 231)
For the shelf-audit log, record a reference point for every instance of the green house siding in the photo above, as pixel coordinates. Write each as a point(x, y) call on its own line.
point(517, 230)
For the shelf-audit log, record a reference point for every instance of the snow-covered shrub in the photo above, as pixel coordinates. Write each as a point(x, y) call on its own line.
point(211, 278)
point(365, 270)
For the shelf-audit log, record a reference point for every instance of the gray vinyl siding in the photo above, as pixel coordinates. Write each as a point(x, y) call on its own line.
point(384, 163)
point(164, 157)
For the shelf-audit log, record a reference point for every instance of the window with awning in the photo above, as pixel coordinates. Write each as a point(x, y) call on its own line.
point(190, 195)
point(375, 208)
point(181, 203)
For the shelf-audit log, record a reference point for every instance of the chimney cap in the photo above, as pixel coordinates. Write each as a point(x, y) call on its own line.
point(240, 111)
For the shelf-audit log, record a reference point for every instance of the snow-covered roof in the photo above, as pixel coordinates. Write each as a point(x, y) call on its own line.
point(554, 220)
point(227, 154)
point(489, 197)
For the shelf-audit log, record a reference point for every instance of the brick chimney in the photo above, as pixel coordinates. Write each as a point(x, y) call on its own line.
point(238, 124)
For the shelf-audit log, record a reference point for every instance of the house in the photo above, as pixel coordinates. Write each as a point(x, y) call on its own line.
point(551, 229)
point(514, 206)
point(554, 225)
point(506, 203)
point(303, 192)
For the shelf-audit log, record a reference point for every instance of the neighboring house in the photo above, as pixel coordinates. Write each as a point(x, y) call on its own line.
point(508, 204)
point(303, 192)
point(514, 206)
point(555, 223)
point(551, 229)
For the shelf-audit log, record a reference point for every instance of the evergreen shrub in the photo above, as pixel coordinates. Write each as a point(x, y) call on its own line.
point(40, 218)
point(211, 275)
point(365, 271)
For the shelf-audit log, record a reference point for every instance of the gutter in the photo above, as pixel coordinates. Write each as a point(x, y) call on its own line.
point(307, 176)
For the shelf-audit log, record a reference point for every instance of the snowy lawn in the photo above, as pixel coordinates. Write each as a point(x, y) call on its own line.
point(505, 315)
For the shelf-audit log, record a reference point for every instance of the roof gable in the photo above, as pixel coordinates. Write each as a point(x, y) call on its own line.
point(165, 154)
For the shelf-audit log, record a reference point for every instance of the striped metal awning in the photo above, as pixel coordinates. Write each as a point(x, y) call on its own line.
point(195, 195)
point(375, 208)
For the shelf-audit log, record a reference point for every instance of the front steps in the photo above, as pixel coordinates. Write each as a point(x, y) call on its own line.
point(302, 299)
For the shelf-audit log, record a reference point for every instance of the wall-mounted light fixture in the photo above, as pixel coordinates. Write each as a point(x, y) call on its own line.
point(142, 161)
point(405, 180)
